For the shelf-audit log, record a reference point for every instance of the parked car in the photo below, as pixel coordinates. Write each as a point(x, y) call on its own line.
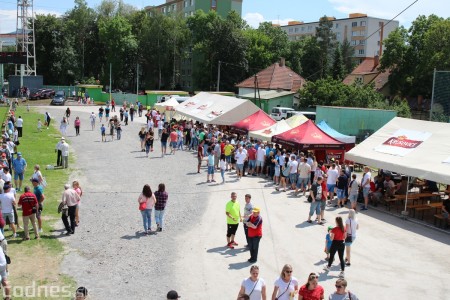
point(36, 95)
point(280, 113)
point(47, 94)
point(59, 98)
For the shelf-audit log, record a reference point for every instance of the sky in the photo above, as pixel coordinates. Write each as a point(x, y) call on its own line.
point(276, 11)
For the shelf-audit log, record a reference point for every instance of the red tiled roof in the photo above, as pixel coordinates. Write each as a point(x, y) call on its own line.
point(275, 77)
point(381, 80)
point(366, 68)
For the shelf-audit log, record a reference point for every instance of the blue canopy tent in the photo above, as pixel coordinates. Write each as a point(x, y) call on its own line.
point(323, 125)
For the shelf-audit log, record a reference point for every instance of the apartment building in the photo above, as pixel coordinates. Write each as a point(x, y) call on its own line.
point(186, 8)
point(366, 34)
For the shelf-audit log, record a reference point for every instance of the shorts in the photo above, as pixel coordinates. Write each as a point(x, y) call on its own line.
point(353, 198)
point(240, 167)
point(18, 176)
point(9, 218)
point(173, 144)
point(164, 144)
point(349, 244)
point(293, 178)
point(231, 229)
point(259, 163)
point(302, 181)
point(228, 158)
point(3, 274)
point(315, 207)
point(100, 115)
point(330, 187)
point(322, 205)
point(277, 171)
point(366, 192)
point(159, 131)
point(340, 194)
point(103, 133)
point(251, 164)
point(210, 170)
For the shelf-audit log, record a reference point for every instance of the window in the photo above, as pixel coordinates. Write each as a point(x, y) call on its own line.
point(354, 24)
point(192, 13)
point(174, 7)
point(163, 10)
point(337, 25)
point(363, 23)
point(378, 43)
point(186, 14)
point(338, 35)
point(353, 43)
point(359, 80)
point(362, 42)
point(296, 29)
point(361, 51)
point(213, 4)
point(303, 29)
point(192, 2)
point(291, 30)
point(186, 3)
point(310, 28)
point(355, 33)
point(362, 33)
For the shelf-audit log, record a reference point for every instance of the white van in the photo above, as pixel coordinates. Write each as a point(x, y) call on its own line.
point(280, 113)
point(309, 114)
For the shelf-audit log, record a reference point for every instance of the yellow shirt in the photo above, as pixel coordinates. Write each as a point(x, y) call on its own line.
point(227, 149)
point(234, 209)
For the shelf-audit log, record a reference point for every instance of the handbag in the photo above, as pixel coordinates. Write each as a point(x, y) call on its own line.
point(142, 205)
point(349, 238)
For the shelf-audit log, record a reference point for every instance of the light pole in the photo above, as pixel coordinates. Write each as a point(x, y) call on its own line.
point(1, 71)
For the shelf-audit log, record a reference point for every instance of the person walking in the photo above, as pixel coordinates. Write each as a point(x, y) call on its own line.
point(210, 165)
point(29, 204)
point(148, 142)
point(233, 212)
point(146, 202)
point(315, 197)
point(92, 117)
point(248, 211)
point(65, 153)
point(7, 202)
point(254, 286)
point(351, 226)
point(19, 126)
point(341, 293)
point(77, 124)
point(19, 165)
point(69, 199)
point(353, 190)
point(312, 290)
point(254, 223)
point(160, 206)
point(337, 235)
point(63, 126)
point(48, 119)
point(164, 138)
point(286, 286)
point(142, 133)
point(77, 188)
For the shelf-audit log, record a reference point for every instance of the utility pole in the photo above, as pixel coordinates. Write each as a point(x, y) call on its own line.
point(110, 81)
point(137, 82)
point(218, 76)
point(2, 75)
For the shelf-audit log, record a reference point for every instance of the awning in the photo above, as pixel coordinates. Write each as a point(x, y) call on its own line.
point(167, 105)
point(411, 147)
point(277, 128)
point(323, 125)
point(259, 120)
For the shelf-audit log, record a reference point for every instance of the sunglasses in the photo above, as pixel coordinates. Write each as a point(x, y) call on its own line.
point(313, 277)
point(288, 271)
point(338, 286)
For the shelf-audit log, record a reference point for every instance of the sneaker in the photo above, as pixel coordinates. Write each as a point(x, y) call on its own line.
point(364, 208)
point(40, 230)
point(326, 268)
point(14, 235)
point(230, 245)
point(347, 264)
point(309, 221)
point(213, 180)
point(234, 243)
point(342, 274)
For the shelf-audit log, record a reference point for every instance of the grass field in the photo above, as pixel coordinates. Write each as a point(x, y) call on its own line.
point(36, 263)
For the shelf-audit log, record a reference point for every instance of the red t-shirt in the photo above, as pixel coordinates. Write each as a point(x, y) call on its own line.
point(338, 234)
point(222, 147)
point(257, 221)
point(324, 189)
point(200, 151)
point(28, 200)
point(315, 294)
point(251, 153)
point(173, 136)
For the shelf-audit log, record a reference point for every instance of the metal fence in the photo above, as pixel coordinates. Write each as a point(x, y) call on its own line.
point(440, 100)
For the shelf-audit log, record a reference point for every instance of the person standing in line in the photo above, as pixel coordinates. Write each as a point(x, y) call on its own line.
point(342, 182)
point(293, 170)
point(146, 202)
point(58, 149)
point(160, 206)
point(286, 286)
point(253, 286)
point(304, 172)
point(312, 290)
point(341, 293)
point(29, 204)
point(233, 212)
point(248, 211)
point(254, 223)
point(351, 226)
point(8, 201)
point(70, 198)
point(19, 165)
point(48, 119)
point(365, 185)
point(19, 126)
point(241, 157)
point(353, 191)
point(200, 155)
point(65, 153)
point(38, 191)
point(223, 166)
point(77, 124)
point(323, 204)
point(338, 236)
point(333, 175)
point(164, 138)
point(210, 165)
point(92, 117)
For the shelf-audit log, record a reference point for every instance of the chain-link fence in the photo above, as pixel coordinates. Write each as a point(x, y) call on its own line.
point(440, 102)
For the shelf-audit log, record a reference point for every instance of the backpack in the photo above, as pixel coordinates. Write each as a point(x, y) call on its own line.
point(314, 190)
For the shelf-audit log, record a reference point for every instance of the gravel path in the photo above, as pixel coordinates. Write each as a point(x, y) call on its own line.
point(110, 254)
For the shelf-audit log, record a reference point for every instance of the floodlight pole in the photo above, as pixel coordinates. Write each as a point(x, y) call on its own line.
point(218, 77)
point(432, 95)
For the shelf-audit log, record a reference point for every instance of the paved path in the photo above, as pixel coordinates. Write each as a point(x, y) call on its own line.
point(392, 258)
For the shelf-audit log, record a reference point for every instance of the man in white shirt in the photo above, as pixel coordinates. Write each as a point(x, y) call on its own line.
point(19, 125)
point(304, 170)
point(333, 175)
point(65, 153)
point(160, 127)
point(5, 175)
point(240, 157)
point(260, 158)
point(70, 198)
point(365, 184)
point(8, 201)
point(293, 170)
point(58, 150)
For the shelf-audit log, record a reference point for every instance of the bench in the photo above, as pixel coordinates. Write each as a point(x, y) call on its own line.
point(441, 219)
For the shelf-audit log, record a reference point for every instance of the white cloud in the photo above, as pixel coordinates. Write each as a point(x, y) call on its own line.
point(388, 8)
point(254, 19)
point(9, 16)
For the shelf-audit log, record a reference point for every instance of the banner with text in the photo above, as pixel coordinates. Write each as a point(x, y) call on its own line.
point(403, 142)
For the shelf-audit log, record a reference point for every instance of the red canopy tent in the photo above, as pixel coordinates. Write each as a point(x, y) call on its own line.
point(257, 121)
point(308, 136)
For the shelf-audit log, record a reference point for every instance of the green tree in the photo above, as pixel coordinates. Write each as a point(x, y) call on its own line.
point(327, 42)
point(338, 69)
point(347, 57)
point(310, 60)
point(279, 46)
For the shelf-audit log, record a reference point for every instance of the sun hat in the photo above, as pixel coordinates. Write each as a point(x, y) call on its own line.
point(256, 209)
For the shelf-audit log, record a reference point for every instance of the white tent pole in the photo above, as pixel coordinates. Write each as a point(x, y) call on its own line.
point(406, 198)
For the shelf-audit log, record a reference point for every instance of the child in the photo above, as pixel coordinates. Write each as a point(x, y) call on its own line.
point(103, 131)
point(39, 125)
point(210, 165)
point(223, 166)
point(328, 242)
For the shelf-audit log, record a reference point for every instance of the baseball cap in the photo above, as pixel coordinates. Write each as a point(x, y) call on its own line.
point(34, 180)
point(172, 295)
point(330, 227)
point(256, 209)
point(19, 153)
point(63, 138)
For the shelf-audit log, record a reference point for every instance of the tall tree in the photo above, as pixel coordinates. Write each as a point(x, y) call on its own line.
point(347, 57)
point(338, 69)
point(327, 42)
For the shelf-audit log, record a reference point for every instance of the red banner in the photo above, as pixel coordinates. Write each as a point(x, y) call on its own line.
point(338, 155)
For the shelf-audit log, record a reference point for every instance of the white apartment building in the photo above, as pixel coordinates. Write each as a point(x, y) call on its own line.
point(366, 34)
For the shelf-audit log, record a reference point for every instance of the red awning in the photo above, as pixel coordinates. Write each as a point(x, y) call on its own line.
point(307, 136)
point(257, 121)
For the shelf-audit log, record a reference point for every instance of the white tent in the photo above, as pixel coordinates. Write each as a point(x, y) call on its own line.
point(162, 106)
point(411, 147)
point(216, 109)
point(277, 128)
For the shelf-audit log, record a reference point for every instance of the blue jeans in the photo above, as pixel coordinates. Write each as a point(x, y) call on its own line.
point(193, 143)
point(315, 207)
point(147, 219)
point(222, 173)
point(159, 217)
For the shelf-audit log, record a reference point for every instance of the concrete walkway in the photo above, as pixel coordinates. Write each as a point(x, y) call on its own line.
point(391, 258)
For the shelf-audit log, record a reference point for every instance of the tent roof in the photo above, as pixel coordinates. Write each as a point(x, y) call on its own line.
point(279, 127)
point(323, 125)
point(307, 136)
point(258, 120)
point(216, 109)
point(425, 161)
point(162, 105)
